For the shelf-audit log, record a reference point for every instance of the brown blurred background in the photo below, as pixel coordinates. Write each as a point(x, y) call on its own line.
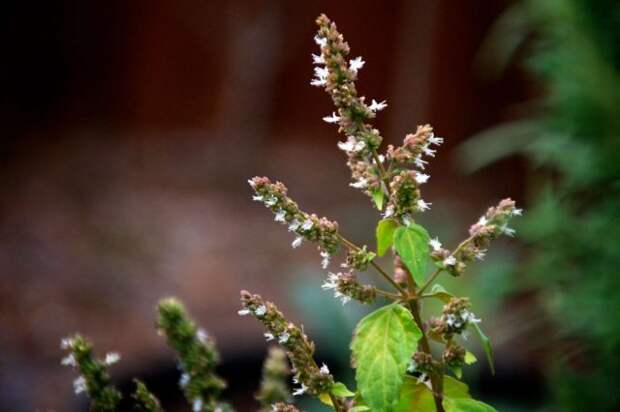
point(130, 129)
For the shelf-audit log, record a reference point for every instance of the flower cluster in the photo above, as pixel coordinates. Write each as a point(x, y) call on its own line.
point(414, 147)
point(358, 259)
point(197, 357)
point(491, 225)
point(454, 319)
point(337, 76)
point(145, 401)
point(347, 287)
point(94, 379)
point(273, 387)
point(299, 347)
point(423, 364)
point(453, 356)
point(283, 407)
point(304, 225)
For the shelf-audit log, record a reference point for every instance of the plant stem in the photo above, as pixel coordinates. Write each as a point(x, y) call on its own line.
point(436, 379)
point(430, 280)
point(382, 272)
point(390, 280)
point(414, 307)
point(388, 295)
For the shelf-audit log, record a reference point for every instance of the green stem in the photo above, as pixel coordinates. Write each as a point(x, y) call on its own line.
point(382, 272)
point(436, 378)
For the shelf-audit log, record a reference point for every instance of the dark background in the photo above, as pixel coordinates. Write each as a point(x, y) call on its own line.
point(129, 129)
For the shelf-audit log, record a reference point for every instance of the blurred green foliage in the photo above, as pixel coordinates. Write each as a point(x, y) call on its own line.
point(572, 221)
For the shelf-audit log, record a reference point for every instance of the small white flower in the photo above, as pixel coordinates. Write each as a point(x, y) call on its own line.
point(197, 405)
point(407, 220)
point(421, 178)
point(326, 258)
point(334, 118)
point(435, 244)
point(308, 224)
point(260, 311)
point(269, 336)
point(435, 140)
point(508, 231)
point(420, 163)
point(79, 385)
point(517, 212)
point(184, 380)
point(422, 205)
point(252, 183)
point(483, 221)
point(324, 369)
point(352, 145)
point(301, 390)
point(470, 317)
point(66, 343)
point(272, 201)
point(318, 82)
point(429, 152)
point(244, 312)
point(202, 335)
point(321, 41)
point(362, 183)
point(69, 360)
point(331, 282)
point(297, 242)
point(450, 320)
point(389, 211)
point(356, 64)
point(381, 158)
point(449, 261)
point(343, 298)
point(111, 358)
point(294, 225)
point(318, 59)
point(412, 367)
point(480, 255)
point(284, 337)
point(377, 106)
point(258, 198)
point(279, 216)
point(321, 72)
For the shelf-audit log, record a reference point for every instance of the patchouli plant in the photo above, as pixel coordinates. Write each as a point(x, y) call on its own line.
point(396, 367)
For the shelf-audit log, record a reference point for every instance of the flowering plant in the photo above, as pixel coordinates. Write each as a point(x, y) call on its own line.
point(391, 347)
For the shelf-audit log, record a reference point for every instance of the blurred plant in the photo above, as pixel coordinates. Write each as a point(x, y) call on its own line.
point(573, 145)
point(395, 367)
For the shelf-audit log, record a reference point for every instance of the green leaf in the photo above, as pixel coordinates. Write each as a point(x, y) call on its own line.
point(458, 371)
point(470, 358)
point(439, 292)
point(378, 196)
point(454, 388)
point(417, 397)
point(360, 408)
point(411, 243)
point(385, 235)
point(382, 345)
point(486, 345)
point(466, 405)
point(341, 390)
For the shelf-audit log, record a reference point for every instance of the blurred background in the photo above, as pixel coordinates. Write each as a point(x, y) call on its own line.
point(130, 129)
